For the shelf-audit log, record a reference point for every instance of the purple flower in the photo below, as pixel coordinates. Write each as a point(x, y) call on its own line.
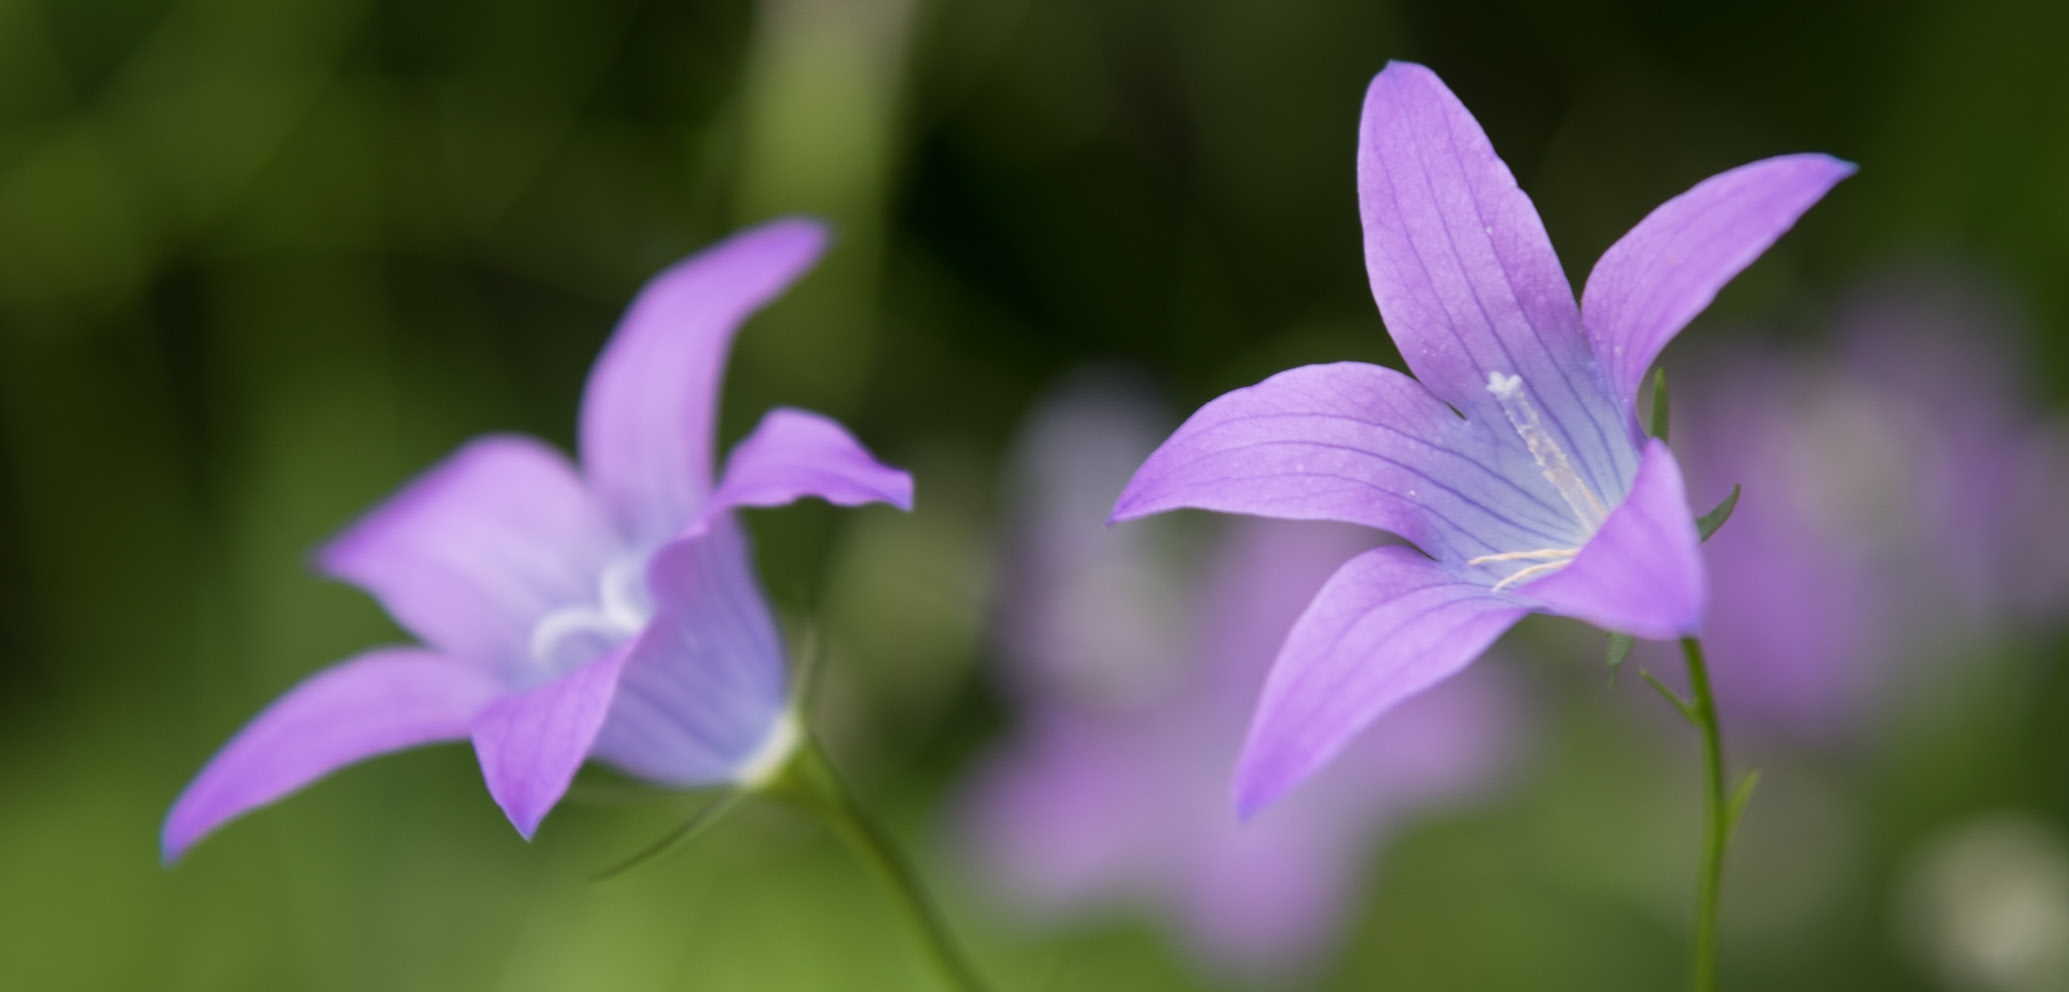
point(610, 612)
point(1513, 461)
point(1134, 681)
point(1901, 510)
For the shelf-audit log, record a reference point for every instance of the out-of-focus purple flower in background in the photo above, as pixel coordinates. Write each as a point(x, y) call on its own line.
point(1134, 668)
point(609, 611)
point(1897, 514)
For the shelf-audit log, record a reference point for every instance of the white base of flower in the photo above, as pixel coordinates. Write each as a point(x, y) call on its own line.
point(773, 755)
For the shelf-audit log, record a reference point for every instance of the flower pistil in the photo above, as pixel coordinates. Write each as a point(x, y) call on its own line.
point(1551, 460)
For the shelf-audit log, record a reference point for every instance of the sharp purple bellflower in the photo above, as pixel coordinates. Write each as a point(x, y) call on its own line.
point(606, 612)
point(1513, 461)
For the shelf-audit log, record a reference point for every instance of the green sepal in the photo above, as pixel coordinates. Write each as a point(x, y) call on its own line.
point(1688, 710)
point(1708, 523)
point(699, 822)
point(1739, 798)
point(1619, 651)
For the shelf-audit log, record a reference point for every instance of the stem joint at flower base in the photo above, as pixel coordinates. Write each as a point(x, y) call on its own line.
point(808, 783)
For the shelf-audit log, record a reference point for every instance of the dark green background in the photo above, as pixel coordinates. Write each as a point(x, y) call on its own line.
point(262, 260)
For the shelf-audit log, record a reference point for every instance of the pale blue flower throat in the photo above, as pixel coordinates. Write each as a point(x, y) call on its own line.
point(572, 636)
point(1551, 459)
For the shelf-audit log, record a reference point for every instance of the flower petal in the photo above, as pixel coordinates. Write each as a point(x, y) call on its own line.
point(380, 701)
point(1357, 443)
point(705, 683)
point(1465, 275)
point(1389, 624)
point(796, 453)
point(651, 407)
point(474, 551)
point(531, 743)
point(1642, 573)
point(1656, 278)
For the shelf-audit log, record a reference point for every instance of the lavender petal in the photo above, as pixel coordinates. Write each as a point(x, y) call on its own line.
point(473, 552)
point(1642, 573)
point(1656, 278)
point(1389, 624)
point(796, 453)
point(531, 743)
point(380, 701)
point(1356, 443)
point(705, 683)
point(650, 410)
point(1466, 277)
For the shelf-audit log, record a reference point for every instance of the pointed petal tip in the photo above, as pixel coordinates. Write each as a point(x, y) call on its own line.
point(794, 454)
point(1668, 268)
point(525, 808)
point(1832, 168)
point(901, 496)
point(1399, 73)
point(531, 743)
point(803, 225)
point(526, 821)
point(803, 234)
point(649, 411)
point(1133, 504)
point(1398, 68)
point(1125, 508)
point(183, 829)
point(1252, 793)
point(172, 845)
point(383, 700)
point(1136, 499)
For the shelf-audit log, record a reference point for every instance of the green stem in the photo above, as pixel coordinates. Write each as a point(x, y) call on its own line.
point(1703, 710)
point(809, 782)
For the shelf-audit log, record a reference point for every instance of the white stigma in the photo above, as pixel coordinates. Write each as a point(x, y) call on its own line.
point(1558, 470)
point(620, 611)
point(1551, 459)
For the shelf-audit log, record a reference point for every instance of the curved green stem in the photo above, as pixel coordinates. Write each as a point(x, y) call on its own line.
point(809, 782)
point(1702, 710)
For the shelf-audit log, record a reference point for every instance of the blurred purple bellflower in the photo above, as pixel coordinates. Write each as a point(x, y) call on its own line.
point(1134, 682)
point(1905, 512)
point(1513, 461)
point(610, 612)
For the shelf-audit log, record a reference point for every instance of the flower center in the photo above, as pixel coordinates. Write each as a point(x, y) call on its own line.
point(1558, 470)
point(1551, 459)
point(573, 636)
point(1548, 560)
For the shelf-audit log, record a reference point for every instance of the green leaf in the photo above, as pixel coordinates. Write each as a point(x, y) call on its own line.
point(1739, 798)
point(1619, 650)
point(1708, 523)
point(691, 829)
point(1687, 708)
point(1659, 404)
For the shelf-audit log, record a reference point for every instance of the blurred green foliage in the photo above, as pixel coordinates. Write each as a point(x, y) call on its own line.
point(262, 260)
